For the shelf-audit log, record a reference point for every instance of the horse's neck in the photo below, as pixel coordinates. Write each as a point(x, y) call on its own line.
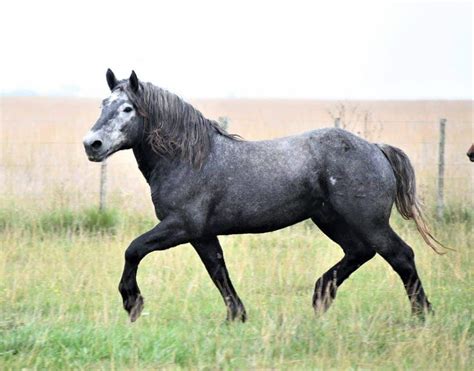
point(147, 160)
point(153, 165)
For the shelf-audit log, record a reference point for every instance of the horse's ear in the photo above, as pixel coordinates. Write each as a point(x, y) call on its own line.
point(111, 80)
point(134, 84)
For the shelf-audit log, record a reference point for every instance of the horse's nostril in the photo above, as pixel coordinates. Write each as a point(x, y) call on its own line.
point(96, 144)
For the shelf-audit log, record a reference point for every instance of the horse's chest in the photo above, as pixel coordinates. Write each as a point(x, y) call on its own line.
point(167, 202)
point(161, 205)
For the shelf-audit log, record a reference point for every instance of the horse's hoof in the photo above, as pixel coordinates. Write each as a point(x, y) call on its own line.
point(422, 312)
point(136, 308)
point(240, 316)
point(321, 305)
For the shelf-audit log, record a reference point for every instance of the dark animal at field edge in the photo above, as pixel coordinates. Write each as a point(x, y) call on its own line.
point(470, 153)
point(205, 182)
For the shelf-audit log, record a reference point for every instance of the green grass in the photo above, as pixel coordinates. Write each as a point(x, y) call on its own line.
point(60, 220)
point(60, 308)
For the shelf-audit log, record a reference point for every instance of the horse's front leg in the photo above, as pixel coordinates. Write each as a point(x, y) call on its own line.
point(211, 254)
point(165, 235)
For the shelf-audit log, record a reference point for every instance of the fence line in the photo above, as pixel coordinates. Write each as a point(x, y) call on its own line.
point(103, 185)
point(440, 193)
point(436, 157)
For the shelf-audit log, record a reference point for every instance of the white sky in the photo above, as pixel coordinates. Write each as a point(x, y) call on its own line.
point(287, 49)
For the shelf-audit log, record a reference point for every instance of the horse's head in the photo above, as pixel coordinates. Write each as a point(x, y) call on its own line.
point(119, 124)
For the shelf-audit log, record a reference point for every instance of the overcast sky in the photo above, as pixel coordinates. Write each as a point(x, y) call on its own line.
point(242, 49)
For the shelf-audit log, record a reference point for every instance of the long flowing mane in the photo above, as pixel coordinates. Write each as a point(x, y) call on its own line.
point(173, 126)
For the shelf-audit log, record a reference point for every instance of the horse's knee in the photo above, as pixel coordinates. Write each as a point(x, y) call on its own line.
point(131, 254)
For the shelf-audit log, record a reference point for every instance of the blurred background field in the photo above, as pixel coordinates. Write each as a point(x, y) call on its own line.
point(42, 159)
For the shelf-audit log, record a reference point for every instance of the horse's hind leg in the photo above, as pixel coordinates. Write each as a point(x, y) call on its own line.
point(356, 254)
point(402, 259)
point(210, 252)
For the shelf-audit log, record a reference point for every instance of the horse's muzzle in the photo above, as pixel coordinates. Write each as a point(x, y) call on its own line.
point(94, 147)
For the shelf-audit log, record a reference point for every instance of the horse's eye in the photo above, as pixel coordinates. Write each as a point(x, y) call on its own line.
point(127, 109)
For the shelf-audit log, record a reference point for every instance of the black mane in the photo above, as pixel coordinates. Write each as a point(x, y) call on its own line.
point(174, 127)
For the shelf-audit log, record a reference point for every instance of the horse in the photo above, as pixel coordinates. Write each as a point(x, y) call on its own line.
point(470, 153)
point(205, 183)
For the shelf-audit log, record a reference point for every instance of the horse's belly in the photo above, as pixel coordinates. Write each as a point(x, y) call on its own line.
point(264, 213)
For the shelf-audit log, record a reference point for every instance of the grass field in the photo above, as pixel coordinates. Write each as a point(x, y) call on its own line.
point(61, 260)
point(60, 307)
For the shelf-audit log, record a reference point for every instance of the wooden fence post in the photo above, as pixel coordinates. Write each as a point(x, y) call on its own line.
point(440, 193)
point(224, 122)
point(337, 122)
point(103, 184)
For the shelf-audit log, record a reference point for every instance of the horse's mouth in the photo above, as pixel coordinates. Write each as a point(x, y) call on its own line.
point(97, 157)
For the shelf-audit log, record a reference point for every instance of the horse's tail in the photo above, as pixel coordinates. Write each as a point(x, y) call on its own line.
point(406, 200)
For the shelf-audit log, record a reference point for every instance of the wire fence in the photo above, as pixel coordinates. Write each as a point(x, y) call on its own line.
point(42, 161)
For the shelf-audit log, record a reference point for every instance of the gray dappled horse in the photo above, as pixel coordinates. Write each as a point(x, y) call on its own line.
point(205, 182)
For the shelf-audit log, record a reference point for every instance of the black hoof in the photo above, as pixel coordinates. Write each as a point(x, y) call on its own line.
point(422, 311)
point(134, 307)
point(238, 315)
point(322, 304)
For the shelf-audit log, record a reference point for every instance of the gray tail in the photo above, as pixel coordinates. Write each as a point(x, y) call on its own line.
point(406, 201)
